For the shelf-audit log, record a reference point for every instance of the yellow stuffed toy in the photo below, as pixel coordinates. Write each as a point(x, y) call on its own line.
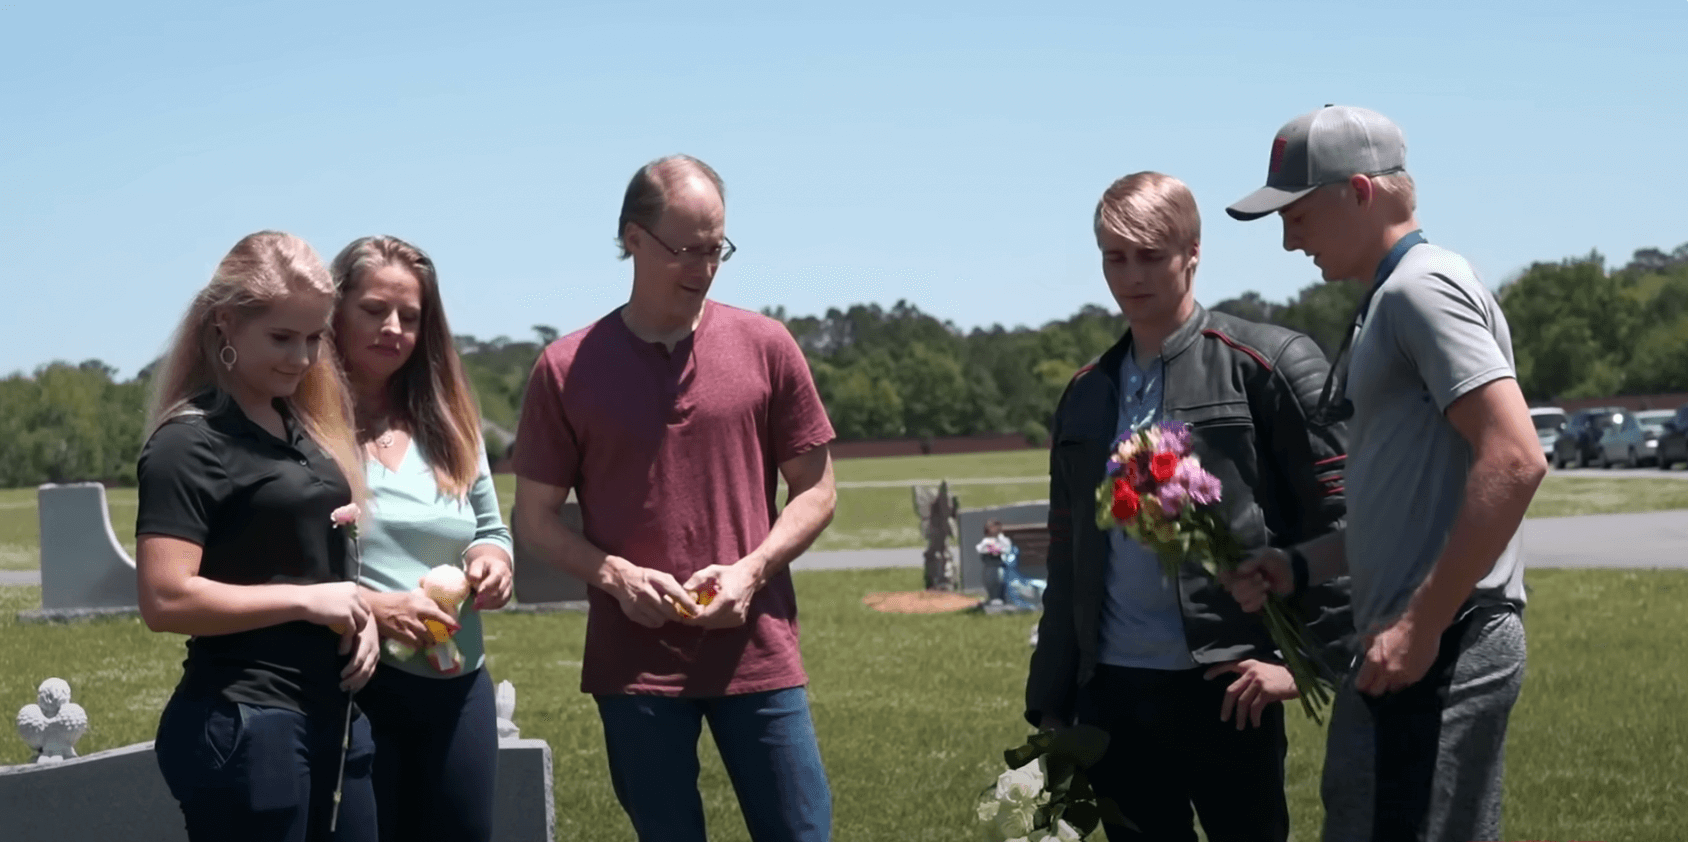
point(448, 588)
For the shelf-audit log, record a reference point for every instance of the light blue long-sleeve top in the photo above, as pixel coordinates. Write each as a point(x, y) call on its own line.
point(412, 527)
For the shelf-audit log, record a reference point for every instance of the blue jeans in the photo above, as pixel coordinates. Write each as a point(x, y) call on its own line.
point(248, 772)
point(767, 742)
point(436, 754)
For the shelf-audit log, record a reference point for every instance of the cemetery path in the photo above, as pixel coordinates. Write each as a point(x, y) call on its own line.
point(1646, 539)
point(1641, 540)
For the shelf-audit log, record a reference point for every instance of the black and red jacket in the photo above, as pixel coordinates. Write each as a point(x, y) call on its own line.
point(1247, 391)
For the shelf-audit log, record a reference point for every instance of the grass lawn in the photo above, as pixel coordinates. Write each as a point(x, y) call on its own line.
point(883, 517)
point(914, 711)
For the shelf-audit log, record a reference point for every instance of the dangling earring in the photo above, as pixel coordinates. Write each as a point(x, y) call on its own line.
point(228, 356)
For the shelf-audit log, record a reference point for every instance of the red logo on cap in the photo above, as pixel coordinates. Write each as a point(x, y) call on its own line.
point(1277, 156)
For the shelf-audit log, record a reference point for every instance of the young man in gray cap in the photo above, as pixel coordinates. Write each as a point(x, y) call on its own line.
point(1442, 463)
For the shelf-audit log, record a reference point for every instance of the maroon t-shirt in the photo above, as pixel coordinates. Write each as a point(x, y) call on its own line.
point(674, 459)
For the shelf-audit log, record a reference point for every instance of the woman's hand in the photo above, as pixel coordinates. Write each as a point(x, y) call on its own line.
point(339, 606)
point(491, 578)
point(365, 658)
point(400, 615)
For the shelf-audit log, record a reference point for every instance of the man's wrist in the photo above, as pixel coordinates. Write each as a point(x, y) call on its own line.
point(614, 575)
point(1297, 568)
point(758, 569)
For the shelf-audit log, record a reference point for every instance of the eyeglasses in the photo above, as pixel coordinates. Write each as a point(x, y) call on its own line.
point(718, 253)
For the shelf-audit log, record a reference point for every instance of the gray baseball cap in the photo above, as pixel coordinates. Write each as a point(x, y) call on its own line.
point(1324, 147)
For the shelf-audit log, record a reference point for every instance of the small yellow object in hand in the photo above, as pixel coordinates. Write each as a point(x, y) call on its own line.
point(702, 596)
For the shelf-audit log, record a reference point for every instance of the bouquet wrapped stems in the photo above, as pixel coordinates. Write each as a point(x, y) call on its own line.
point(1291, 639)
point(1156, 490)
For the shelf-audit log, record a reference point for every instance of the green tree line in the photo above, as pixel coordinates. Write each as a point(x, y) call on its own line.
point(1578, 330)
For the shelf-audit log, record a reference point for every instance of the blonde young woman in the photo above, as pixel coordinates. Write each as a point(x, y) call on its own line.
point(250, 453)
point(432, 504)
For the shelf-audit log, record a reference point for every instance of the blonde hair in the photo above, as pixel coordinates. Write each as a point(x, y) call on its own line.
point(260, 270)
point(1400, 187)
point(430, 393)
point(1397, 187)
point(1150, 208)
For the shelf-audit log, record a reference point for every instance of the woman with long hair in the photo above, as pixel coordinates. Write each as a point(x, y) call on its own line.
point(432, 505)
point(250, 455)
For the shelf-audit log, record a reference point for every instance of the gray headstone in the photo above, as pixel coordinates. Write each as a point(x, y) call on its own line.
point(82, 565)
point(973, 528)
point(538, 581)
point(120, 794)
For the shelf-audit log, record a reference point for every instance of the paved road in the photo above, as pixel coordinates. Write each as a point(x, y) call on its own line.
point(1649, 539)
point(1621, 473)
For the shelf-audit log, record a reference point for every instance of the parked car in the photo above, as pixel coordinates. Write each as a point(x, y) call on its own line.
point(1578, 446)
point(1673, 442)
point(1549, 421)
point(1633, 438)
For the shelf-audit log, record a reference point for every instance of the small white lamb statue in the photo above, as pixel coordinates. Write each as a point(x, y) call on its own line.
point(54, 724)
point(504, 701)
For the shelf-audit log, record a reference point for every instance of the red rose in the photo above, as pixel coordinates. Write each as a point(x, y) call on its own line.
point(1126, 502)
point(1163, 465)
point(1131, 475)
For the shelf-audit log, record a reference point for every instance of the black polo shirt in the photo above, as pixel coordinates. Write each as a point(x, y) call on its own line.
point(261, 508)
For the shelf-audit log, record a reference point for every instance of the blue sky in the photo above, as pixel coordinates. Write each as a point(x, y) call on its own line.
point(949, 154)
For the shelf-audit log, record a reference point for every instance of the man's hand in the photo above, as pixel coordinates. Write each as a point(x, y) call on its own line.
point(1261, 575)
point(490, 577)
point(650, 597)
point(1398, 656)
point(735, 585)
point(1258, 684)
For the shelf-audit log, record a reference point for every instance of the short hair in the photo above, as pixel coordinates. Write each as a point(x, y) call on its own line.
point(647, 192)
point(1150, 207)
point(1398, 186)
point(993, 523)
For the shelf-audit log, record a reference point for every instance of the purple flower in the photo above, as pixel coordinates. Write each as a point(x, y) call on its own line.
point(1173, 498)
point(1175, 436)
point(1205, 489)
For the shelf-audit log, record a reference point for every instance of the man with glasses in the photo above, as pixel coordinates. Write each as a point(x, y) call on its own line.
point(1442, 463)
point(671, 419)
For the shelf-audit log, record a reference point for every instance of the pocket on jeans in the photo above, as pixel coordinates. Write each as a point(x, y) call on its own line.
point(225, 726)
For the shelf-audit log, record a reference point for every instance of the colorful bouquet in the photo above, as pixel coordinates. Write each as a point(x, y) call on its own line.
point(1044, 796)
point(1156, 490)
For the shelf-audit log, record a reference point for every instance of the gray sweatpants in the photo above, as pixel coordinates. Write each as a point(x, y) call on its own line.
point(1426, 763)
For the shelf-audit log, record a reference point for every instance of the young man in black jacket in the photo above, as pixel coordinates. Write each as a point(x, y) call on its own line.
point(1119, 645)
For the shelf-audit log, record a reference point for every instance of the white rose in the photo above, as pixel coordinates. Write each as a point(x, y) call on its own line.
point(1020, 784)
point(1015, 820)
point(987, 809)
point(1066, 833)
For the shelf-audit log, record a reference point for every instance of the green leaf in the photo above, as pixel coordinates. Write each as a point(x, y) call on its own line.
point(1083, 816)
point(1058, 776)
point(1079, 789)
point(1082, 744)
point(1035, 746)
point(1110, 813)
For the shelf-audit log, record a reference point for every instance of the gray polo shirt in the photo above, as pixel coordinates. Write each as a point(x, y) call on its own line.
point(1433, 334)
